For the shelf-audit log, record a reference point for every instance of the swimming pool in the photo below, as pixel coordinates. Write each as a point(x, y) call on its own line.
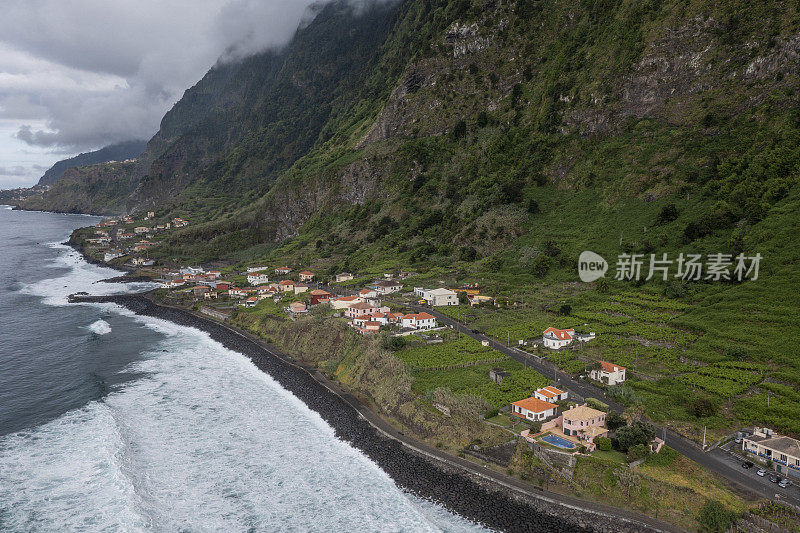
point(555, 440)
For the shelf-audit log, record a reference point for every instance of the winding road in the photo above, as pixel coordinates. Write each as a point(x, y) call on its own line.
point(717, 460)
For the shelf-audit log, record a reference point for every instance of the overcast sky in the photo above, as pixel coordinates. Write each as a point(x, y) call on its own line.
point(76, 75)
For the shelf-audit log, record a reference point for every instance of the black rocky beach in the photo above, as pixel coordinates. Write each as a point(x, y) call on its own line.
point(470, 495)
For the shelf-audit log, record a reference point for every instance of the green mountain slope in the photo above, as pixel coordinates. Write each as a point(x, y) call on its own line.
point(495, 141)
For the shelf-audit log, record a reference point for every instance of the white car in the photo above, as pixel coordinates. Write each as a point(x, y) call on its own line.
point(784, 483)
point(761, 472)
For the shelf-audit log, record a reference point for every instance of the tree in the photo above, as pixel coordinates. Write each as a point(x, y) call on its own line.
point(637, 433)
point(639, 451)
point(459, 130)
point(462, 297)
point(565, 310)
point(668, 213)
point(715, 517)
point(615, 420)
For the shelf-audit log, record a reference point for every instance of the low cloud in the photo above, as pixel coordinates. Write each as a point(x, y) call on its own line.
point(96, 72)
point(13, 171)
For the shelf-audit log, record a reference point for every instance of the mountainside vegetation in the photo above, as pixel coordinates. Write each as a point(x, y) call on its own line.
point(493, 141)
point(114, 152)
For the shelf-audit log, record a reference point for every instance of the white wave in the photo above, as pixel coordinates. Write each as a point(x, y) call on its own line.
point(99, 327)
point(79, 277)
point(204, 441)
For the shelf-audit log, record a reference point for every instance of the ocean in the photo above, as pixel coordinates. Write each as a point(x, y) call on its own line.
point(114, 422)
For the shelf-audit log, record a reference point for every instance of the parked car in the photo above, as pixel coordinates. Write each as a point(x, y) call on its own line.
point(738, 440)
point(774, 478)
point(784, 483)
point(475, 331)
point(747, 464)
point(761, 472)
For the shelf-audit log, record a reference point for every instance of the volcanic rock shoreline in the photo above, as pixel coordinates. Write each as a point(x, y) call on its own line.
point(467, 495)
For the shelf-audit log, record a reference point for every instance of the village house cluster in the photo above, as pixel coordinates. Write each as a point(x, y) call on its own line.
point(116, 237)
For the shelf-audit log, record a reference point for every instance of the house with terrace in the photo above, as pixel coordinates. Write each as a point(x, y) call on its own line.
point(306, 276)
point(584, 422)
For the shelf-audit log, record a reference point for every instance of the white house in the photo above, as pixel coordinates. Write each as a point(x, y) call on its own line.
point(550, 394)
point(533, 409)
point(438, 297)
point(343, 276)
point(387, 287)
point(608, 373)
point(256, 268)
point(784, 452)
point(251, 302)
point(283, 270)
point(111, 255)
point(419, 321)
point(557, 338)
point(257, 278)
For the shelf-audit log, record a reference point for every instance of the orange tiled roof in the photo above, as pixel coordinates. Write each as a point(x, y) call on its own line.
point(534, 405)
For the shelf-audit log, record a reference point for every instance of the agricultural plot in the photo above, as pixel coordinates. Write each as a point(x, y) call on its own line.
point(455, 353)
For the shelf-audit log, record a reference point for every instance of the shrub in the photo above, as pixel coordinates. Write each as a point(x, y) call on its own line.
point(639, 451)
point(715, 517)
point(701, 407)
point(603, 444)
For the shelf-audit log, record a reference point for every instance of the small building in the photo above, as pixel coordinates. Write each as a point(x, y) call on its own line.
point(370, 326)
point(141, 229)
point(300, 287)
point(251, 302)
point(343, 276)
point(286, 285)
point(556, 339)
point(498, 375)
point(257, 268)
point(318, 296)
point(533, 409)
point(419, 321)
point(283, 270)
point(478, 299)
point(608, 373)
point(257, 278)
point(550, 394)
point(306, 276)
point(296, 308)
point(387, 287)
point(784, 452)
point(200, 290)
point(440, 297)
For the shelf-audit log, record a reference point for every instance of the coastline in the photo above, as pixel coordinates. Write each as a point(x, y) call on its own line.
point(490, 498)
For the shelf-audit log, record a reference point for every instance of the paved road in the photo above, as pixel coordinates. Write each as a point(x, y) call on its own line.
point(526, 489)
point(718, 461)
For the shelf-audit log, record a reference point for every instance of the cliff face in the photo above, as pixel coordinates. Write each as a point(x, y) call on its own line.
point(464, 115)
point(102, 189)
point(114, 152)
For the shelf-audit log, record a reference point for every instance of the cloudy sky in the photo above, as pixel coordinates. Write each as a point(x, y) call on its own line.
point(76, 75)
